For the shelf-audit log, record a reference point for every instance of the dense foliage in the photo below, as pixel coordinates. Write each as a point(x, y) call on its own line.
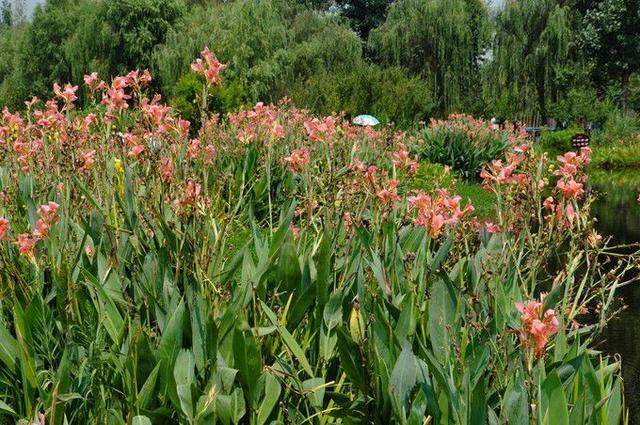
point(277, 269)
point(464, 144)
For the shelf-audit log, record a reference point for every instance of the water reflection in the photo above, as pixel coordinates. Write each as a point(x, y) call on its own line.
point(618, 214)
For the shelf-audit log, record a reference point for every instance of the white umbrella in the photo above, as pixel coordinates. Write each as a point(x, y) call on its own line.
point(366, 120)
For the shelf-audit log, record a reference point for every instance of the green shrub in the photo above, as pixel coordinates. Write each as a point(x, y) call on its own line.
point(582, 105)
point(557, 142)
point(620, 127)
point(463, 143)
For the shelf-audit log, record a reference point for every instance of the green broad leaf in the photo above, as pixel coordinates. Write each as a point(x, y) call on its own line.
point(314, 389)
point(442, 254)
point(350, 359)
point(186, 400)
point(141, 420)
point(110, 317)
point(170, 346)
point(442, 318)
point(145, 395)
point(614, 405)
point(515, 406)
point(272, 390)
point(248, 361)
point(332, 314)
point(555, 295)
point(25, 341)
point(288, 272)
point(418, 409)
point(554, 407)
point(288, 340)
point(304, 296)
point(4, 407)
point(379, 273)
point(407, 321)
point(323, 277)
point(404, 375)
point(206, 405)
point(9, 351)
point(183, 371)
point(278, 237)
point(477, 413)
point(231, 408)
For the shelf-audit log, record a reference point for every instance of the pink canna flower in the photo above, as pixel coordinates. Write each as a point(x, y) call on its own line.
point(294, 230)
point(68, 94)
point(347, 221)
point(135, 151)
point(434, 213)
point(549, 203)
point(389, 194)
point(4, 228)
point(49, 212)
point(88, 159)
point(320, 130)
point(401, 159)
point(166, 168)
point(298, 160)
point(29, 103)
point(492, 227)
point(536, 327)
point(570, 188)
point(209, 67)
point(93, 83)
point(26, 244)
point(42, 229)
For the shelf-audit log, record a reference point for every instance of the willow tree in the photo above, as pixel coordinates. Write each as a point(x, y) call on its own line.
point(440, 40)
point(266, 43)
point(530, 49)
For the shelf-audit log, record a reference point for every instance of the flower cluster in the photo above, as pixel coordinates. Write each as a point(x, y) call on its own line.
point(571, 182)
point(298, 160)
point(209, 67)
point(537, 325)
point(48, 216)
point(435, 212)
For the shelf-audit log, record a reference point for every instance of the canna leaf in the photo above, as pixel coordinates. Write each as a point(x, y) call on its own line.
point(288, 340)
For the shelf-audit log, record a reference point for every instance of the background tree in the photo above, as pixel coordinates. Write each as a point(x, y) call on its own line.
point(609, 37)
point(6, 14)
point(364, 15)
point(530, 50)
point(442, 41)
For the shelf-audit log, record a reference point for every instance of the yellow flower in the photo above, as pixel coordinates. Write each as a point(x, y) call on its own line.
point(117, 164)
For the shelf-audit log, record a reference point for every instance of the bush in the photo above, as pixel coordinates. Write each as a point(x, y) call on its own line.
point(582, 105)
point(557, 142)
point(463, 143)
point(620, 127)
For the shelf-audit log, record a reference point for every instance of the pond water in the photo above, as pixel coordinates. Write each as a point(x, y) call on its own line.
point(618, 214)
